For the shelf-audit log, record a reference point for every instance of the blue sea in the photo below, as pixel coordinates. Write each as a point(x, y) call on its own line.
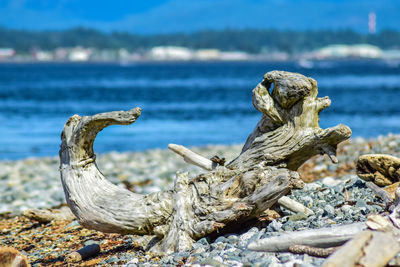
point(184, 103)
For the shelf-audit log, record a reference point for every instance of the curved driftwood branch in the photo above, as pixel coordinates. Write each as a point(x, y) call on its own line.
point(287, 135)
point(97, 203)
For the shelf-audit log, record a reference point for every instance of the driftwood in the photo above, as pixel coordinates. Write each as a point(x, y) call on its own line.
point(48, 215)
point(287, 135)
point(323, 238)
point(207, 164)
point(373, 243)
point(375, 247)
point(312, 251)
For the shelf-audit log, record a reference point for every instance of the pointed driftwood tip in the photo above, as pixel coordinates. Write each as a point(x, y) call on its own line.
point(172, 146)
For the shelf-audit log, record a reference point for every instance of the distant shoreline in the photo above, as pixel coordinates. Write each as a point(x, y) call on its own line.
point(229, 148)
point(166, 62)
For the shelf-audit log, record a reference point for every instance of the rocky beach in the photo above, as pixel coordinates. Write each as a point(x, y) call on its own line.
point(333, 192)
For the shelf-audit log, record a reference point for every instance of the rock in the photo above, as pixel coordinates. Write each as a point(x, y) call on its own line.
point(112, 259)
point(330, 181)
point(381, 169)
point(132, 263)
point(84, 253)
point(268, 215)
point(218, 246)
point(73, 224)
point(203, 241)
point(285, 257)
point(212, 262)
point(308, 201)
point(244, 238)
point(329, 210)
point(275, 226)
point(298, 217)
point(232, 239)
point(220, 239)
point(11, 257)
point(391, 189)
point(91, 242)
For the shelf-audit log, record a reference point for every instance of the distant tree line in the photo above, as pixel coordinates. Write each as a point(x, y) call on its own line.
point(249, 40)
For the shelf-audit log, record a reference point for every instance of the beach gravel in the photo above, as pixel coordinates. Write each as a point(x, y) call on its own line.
point(333, 192)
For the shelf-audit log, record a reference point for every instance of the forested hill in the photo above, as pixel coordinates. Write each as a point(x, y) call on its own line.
point(248, 40)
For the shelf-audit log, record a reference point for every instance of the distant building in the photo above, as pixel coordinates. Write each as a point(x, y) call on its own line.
point(207, 54)
point(365, 51)
point(170, 53)
point(79, 54)
point(234, 56)
point(43, 55)
point(6, 53)
point(61, 54)
point(347, 51)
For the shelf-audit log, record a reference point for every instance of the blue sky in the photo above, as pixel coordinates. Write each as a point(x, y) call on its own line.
point(165, 16)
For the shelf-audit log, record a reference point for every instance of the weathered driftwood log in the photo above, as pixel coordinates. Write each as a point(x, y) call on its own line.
point(371, 248)
point(368, 248)
point(207, 164)
point(370, 244)
point(373, 243)
point(287, 135)
point(323, 238)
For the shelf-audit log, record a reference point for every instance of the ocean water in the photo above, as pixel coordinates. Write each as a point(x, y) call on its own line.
point(183, 103)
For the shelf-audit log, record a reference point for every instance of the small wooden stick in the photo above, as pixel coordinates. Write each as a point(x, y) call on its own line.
point(323, 237)
point(200, 161)
point(192, 158)
point(312, 251)
point(294, 206)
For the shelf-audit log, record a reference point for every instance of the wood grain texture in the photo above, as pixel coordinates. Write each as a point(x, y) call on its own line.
point(322, 238)
point(287, 135)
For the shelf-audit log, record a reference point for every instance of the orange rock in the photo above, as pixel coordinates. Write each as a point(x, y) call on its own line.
point(269, 215)
point(381, 169)
point(10, 257)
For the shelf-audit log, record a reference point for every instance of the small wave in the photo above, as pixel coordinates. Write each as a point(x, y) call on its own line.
point(358, 81)
point(205, 82)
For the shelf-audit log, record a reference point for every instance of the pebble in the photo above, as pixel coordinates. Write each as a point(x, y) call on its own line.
point(338, 198)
